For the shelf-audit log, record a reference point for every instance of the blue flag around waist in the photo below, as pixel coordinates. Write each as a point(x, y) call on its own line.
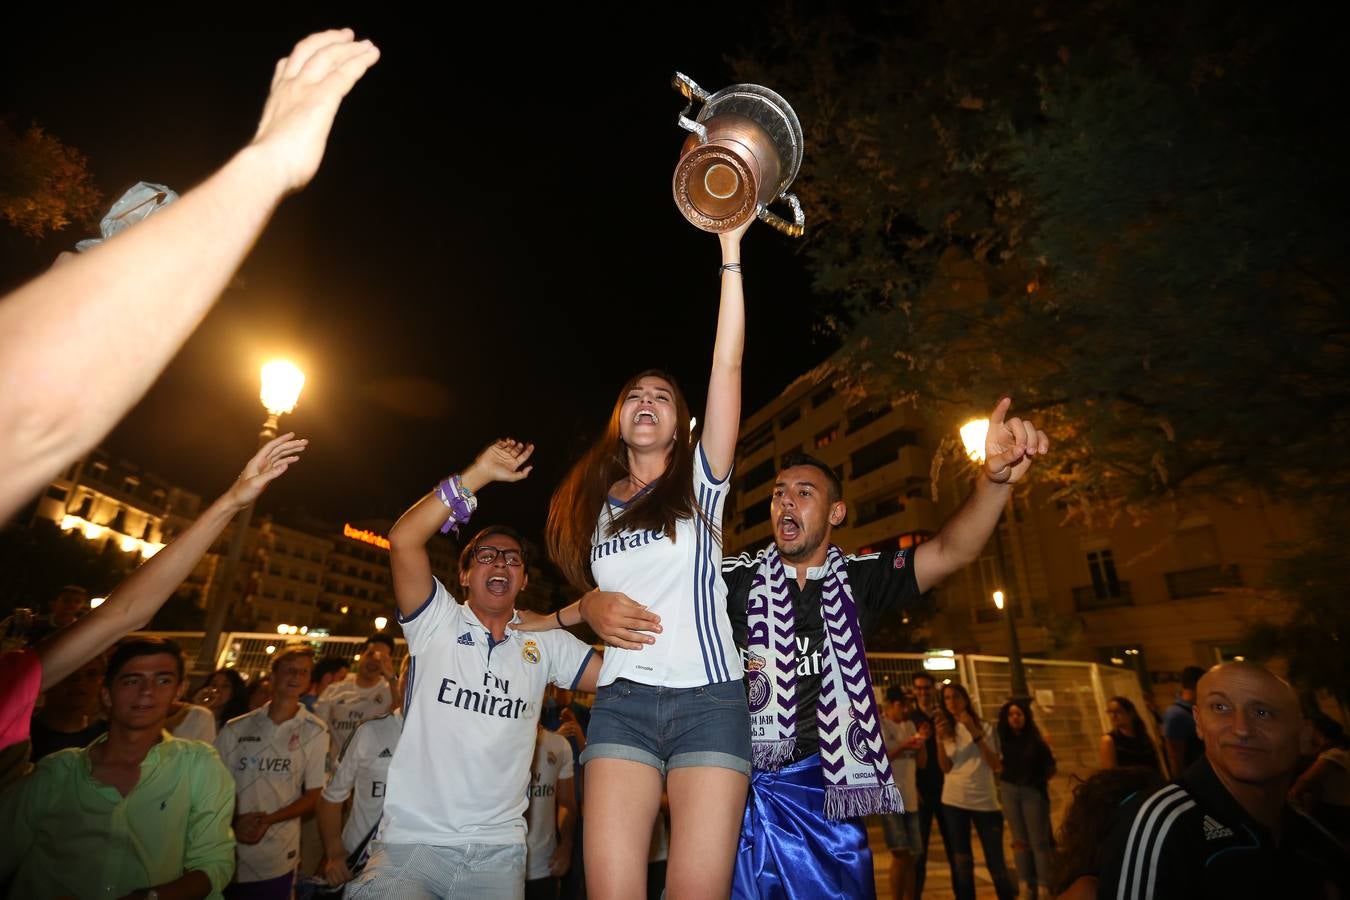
point(788, 849)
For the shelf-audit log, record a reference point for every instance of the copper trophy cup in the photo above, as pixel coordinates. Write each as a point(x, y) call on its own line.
point(743, 152)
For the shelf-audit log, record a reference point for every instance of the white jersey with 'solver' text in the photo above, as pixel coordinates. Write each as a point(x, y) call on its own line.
point(363, 774)
point(681, 581)
point(272, 766)
point(460, 770)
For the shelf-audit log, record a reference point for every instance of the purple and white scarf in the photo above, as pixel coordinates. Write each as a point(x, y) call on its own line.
point(858, 779)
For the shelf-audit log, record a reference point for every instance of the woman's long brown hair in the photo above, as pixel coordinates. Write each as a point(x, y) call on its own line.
point(576, 504)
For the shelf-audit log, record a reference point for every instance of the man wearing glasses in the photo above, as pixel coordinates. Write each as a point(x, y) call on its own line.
point(454, 813)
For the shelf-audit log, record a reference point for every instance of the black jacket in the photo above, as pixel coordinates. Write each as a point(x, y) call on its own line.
point(1192, 840)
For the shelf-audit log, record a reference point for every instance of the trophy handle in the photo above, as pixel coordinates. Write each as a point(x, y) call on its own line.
point(796, 227)
point(694, 94)
point(686, 86)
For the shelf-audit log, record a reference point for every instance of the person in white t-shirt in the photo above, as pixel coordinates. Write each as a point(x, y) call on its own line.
point(969, 755)
point(641, 513)
point(278, 755)
point(191, 722)
point(552, 816)
point(362, 774)
point(454, 813)
point(906, 748)
point(365, 694)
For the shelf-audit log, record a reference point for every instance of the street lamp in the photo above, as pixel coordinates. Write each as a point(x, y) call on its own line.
point(380, 622)
point(281, 384)
point(973, 435)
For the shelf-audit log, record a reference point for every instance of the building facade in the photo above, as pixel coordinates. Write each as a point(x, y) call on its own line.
point(1173, 588)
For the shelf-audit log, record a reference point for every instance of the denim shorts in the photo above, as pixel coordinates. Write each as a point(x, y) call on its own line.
point(667, 728)
point(902, 832)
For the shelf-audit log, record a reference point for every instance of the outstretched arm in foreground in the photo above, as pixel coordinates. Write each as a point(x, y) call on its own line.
point(145, 290)
point(134, 602)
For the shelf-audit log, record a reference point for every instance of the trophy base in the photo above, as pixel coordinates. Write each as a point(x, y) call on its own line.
point(715, 187)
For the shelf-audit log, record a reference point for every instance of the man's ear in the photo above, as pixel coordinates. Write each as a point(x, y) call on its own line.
point(838, 512)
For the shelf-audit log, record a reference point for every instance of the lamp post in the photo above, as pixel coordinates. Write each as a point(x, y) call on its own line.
point(973, 435)
point(281, 384)
point(380, 622)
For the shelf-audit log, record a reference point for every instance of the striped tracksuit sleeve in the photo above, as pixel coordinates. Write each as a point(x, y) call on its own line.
point(1148, 853)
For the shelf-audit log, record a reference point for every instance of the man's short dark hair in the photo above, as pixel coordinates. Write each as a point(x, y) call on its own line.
point(329, 665)
point(1190, 677)
point(381, 638)
point(929, 678)
point(895, 694)
point(833, 489)
point(128, 650)
point(466, 555)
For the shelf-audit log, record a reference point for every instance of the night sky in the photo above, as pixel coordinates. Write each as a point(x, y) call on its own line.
point(489, 248)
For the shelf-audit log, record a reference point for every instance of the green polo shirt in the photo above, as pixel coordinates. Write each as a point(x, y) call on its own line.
point(71, 835)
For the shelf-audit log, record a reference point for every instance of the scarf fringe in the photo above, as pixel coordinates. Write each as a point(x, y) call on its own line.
point(772, 755)
point(861, 800)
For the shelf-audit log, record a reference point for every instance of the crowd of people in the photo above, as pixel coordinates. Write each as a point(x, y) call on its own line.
point(736, 741)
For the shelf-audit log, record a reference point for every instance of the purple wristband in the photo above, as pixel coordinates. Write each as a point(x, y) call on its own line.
point(455, 496)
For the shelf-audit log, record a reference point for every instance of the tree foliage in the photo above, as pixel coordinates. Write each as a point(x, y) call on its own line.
point(45, 185)
point(1126, 215)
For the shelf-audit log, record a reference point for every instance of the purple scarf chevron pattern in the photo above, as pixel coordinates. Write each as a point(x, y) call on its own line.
point(858, 778)
point(772, 667)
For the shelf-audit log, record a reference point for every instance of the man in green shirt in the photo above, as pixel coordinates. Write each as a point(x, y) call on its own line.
point(136, 814)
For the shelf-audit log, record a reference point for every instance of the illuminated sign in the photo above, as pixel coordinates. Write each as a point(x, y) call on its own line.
point(940, 661)
point(365, 537)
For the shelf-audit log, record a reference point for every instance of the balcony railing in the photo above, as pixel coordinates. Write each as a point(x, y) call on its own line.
point(1201, 581)
point(1089, 597)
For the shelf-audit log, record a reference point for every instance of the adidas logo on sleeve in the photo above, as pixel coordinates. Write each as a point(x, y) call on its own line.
point(1214, 831)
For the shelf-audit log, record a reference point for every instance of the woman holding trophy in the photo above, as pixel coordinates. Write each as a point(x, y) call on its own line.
point(641, 514)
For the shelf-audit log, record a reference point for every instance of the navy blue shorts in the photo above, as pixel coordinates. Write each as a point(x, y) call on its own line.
point(667, 728)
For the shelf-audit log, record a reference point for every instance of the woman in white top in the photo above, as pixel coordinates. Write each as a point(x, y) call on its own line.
point(969, 756)
point(640, 514)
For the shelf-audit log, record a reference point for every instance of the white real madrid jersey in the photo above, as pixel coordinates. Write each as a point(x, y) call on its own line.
point(272, 766)
point(680, 581)
point(363, 774)
point(345, 704)
point(461, 766)
point(552, 764)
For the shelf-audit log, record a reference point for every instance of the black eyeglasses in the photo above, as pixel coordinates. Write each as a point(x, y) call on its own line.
point(487, 555)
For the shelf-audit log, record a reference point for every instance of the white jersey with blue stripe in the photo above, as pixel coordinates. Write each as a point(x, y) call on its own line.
point(680, 580)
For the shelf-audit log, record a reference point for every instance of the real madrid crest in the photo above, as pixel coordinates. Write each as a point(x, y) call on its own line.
point(759, 686)
point(530, 652)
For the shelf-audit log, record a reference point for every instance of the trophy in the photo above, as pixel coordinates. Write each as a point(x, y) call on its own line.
point(742, 153)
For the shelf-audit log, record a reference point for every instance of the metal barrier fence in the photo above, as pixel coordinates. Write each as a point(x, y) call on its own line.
point(1068, 702)
point(1068, 698)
